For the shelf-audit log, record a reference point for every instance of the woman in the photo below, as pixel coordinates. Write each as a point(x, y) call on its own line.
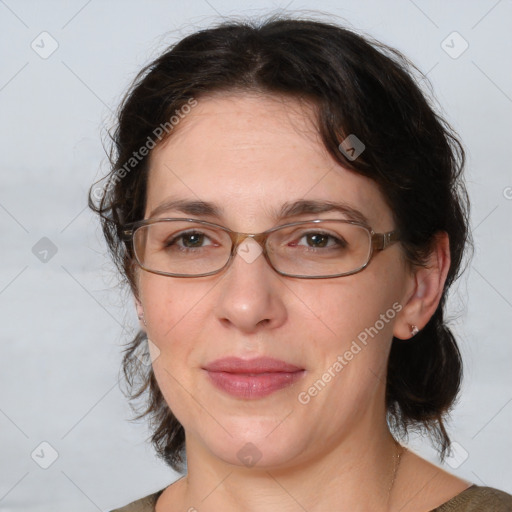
point(289, 213)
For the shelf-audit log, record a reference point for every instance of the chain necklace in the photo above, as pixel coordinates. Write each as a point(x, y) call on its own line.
point(397, 457)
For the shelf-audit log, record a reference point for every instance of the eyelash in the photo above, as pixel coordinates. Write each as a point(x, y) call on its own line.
point(172, 241)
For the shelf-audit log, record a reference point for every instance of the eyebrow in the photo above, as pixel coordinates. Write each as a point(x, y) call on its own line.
point(290, 209)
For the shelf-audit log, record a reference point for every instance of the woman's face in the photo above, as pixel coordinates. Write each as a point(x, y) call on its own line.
point(250, 155)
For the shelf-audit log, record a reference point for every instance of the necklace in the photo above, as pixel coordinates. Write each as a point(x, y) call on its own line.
point(397, 457)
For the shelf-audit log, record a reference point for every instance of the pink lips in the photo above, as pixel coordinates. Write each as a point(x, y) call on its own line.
point(253, 378)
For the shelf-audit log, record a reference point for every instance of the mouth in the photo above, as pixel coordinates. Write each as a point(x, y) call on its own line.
point(253, 378)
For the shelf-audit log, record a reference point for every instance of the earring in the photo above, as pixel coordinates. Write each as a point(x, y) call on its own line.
point(141, 317)
point(414, 330)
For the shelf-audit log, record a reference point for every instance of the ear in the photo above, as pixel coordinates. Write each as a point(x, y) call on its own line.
point(424, 289)
point(140, 313)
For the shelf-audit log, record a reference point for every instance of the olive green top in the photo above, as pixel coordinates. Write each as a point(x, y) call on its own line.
point(473, 499)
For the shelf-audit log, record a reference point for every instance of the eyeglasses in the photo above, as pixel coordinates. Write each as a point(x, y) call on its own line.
point(313, 249)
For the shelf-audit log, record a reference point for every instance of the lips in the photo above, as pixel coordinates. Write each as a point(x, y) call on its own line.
point(257, 365)
point(253, 378)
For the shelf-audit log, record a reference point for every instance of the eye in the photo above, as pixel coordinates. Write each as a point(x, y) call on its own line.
point(189, 240)
point(320, 240)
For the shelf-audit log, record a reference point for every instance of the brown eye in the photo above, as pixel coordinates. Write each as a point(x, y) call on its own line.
point(189, 240)
point(321, 240)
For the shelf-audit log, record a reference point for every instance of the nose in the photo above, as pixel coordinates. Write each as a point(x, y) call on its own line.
point(250, 294)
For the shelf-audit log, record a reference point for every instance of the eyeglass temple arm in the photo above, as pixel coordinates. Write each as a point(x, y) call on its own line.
point(126, 234)
point(382, 240)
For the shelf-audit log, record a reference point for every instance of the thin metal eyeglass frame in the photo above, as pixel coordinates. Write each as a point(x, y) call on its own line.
point(378, 242)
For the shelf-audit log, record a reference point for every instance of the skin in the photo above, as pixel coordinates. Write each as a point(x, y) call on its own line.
point(250, 154)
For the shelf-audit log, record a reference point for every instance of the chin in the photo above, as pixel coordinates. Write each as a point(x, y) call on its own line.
point(257, 444)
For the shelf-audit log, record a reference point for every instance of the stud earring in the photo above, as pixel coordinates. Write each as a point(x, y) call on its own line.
point(141, 317)
point(414, 330)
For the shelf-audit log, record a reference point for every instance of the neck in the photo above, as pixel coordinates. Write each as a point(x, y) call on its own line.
point(356, 475)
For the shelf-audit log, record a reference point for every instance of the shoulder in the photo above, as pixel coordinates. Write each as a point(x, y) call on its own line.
point(476, 499)
point(146, 504)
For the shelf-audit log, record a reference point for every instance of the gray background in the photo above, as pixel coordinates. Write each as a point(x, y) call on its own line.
point(63, 314)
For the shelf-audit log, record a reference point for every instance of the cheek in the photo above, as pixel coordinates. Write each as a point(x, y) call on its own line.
point(172, 323)
point(168, 303)
point(178, 315)
point(343, 310)
point(171, 310)
point(350, 327)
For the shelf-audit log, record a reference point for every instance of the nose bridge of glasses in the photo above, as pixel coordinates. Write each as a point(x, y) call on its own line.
point(238, 238)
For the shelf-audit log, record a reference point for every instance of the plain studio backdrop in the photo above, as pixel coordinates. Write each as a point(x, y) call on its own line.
point(66, 442)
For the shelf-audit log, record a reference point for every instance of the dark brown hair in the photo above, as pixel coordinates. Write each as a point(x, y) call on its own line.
point(358, 86)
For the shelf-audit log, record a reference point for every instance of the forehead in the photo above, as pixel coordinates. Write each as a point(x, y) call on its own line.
point(250, 154)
